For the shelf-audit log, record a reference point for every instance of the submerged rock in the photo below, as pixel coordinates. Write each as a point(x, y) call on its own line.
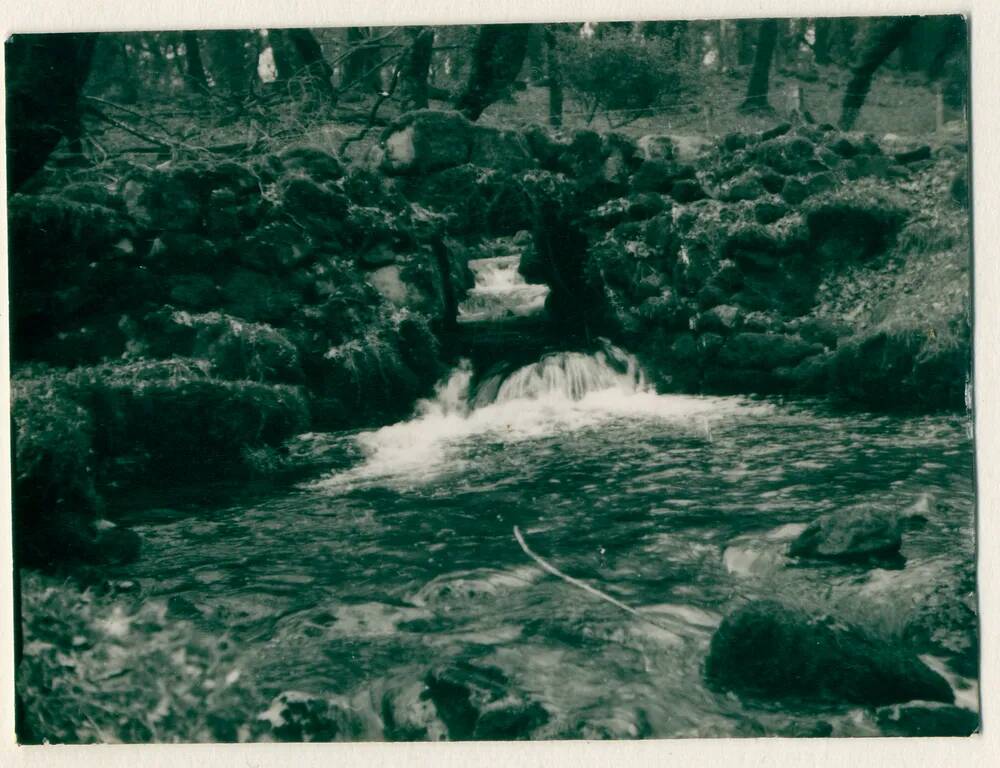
point(476, 702)
point(854, 534)
point(770, 651)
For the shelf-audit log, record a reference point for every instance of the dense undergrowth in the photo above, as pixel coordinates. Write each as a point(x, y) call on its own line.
point(125, 671)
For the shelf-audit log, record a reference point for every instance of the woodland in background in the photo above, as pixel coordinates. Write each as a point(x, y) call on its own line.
point(230, 92)
point(264, 236)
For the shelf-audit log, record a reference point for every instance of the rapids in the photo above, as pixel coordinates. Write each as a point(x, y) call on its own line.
point(400, 555)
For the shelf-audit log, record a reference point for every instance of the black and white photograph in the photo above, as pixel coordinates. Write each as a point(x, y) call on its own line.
point(562, 381)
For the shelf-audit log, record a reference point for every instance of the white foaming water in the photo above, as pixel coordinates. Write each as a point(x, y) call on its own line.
point(500, 292)
point(562, 393)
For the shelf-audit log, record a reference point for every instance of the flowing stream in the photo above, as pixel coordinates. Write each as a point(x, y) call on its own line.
point(402, 556)
point(399, 556)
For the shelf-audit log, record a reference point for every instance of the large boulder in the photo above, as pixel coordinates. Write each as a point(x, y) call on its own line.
point(426, 140)
point(766, 650)
point(917, 368)
point(788, 154)
point(236, 349)
point(55, 503)
point(313, 162)
point(256, 297)
point(765, 351)
point(859, 533)
point(746, 186)
point(657, 147)
point(225, 423)
point(658, 175)
point(461, 195)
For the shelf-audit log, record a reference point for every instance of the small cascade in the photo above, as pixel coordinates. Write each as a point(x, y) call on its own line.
point(500, 292)
point(561, 393)
point(567, 375)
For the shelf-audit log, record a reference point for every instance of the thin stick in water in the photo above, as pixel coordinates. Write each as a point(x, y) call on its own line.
point(548, 567)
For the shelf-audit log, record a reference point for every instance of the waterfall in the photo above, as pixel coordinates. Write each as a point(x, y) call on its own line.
point(569, 375)
point(500, 292)
point(562, 393)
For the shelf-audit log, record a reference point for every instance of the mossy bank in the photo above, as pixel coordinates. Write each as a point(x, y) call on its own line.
point(183, 321)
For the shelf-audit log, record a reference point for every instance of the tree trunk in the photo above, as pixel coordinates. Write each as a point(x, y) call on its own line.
point(821, 48)
point(129, 81)
point(722, 43)
point(950, 39)
point(195, 67)
point(536, 47)
point(554, 77)
point(497, 60)
point(416, 66)
point(360, 66)
point(917, 48)
point(311, 56)
point(283, 52)
point(845, 33)
point(229, 61)
point(45, 77)
point(884, 39)
point(744, 46)
point(756, 99)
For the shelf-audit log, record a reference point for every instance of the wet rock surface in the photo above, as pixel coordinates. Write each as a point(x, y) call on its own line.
point(476, 702)
point(858, 534)
point(768, 650)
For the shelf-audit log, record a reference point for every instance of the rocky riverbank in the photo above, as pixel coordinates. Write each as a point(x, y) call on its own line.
point(185, 320)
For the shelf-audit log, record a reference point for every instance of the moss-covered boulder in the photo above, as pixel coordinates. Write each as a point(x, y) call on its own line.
point(235, 348)
point(766, 650)
point(426, 140)
point(312, 162)
point(860, 534)
point(915, 368)
point(55, 503)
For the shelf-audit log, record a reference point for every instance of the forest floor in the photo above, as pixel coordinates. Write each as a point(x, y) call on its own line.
point(904, 105)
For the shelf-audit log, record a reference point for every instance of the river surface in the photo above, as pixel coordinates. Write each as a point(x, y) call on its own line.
point(398, 554)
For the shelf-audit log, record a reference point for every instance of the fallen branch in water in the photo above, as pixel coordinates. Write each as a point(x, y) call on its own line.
point(549, 568)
